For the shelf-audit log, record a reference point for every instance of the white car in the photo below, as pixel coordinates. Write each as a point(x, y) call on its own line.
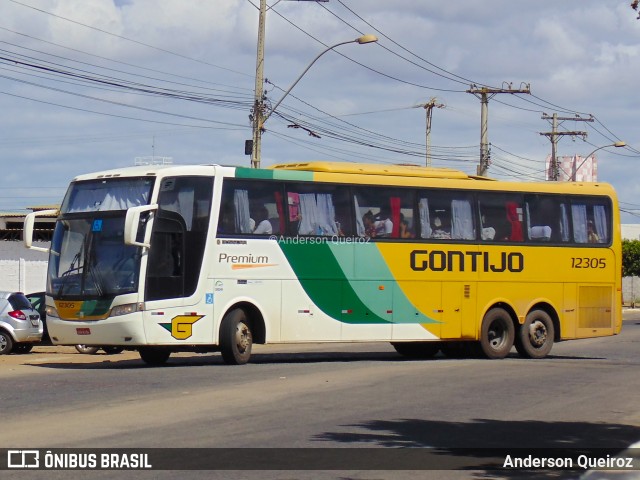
point(20, 324)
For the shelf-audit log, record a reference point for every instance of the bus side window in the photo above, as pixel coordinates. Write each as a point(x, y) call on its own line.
point(501, 217)
point(384, 212)
point(318, 210)
point(544, 218)
point(246, 204)
point(590, 222)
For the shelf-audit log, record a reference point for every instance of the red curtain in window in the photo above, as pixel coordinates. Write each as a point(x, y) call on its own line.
point(516, 224)
point(395, 216)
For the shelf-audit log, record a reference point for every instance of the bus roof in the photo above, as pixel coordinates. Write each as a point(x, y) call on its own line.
point(374, 169)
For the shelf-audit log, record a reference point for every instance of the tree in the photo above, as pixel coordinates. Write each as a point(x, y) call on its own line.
point(630, 258)
point(634, 5)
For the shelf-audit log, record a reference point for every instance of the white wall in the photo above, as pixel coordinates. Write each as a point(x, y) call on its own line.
point(22, 275)
point(22, 270)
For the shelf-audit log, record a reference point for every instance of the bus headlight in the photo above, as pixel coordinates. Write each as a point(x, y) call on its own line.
point(124, 309)
point(51, 311)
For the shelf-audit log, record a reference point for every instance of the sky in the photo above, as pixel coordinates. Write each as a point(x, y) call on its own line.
point(89, 85)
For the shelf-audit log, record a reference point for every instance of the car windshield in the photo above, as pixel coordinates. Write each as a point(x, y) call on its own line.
point(90, 259)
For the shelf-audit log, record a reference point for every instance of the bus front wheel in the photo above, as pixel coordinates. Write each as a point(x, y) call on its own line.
point(535, 336)
point(497, 334)
point(236, 338)
point(154, 355)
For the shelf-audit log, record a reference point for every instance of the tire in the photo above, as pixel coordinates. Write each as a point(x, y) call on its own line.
point(154, 355)
point(86, 349)
point(497, 334)
point(6, 343)
point(112, 350)
point(535, 336)
point(417, 349)
point(22, 348)
point(236, 338)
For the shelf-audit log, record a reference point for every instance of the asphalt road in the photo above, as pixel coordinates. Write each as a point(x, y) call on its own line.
point(584, 395)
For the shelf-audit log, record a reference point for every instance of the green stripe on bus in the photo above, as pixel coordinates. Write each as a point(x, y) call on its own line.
point(243, 172)
point(326, 275)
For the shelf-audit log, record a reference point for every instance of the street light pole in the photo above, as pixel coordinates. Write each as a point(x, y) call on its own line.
point(260, 118)
point(616, 144)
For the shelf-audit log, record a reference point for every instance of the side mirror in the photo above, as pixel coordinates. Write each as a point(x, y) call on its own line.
point(131, 224)
point(29, 222)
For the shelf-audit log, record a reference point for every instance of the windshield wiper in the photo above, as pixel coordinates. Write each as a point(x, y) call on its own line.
point(72, 268)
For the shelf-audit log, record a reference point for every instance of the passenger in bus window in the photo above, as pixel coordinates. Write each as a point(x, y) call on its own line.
point(592, 236)
point(369, 224)
point(262, 221)
point(439, 231)
point(383, 224)
point(405, 229)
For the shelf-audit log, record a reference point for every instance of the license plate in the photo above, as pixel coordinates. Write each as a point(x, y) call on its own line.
point(83, 331)
point(35, 323)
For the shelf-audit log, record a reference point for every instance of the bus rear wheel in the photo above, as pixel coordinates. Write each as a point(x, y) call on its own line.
point(497, 334)
point(154, 355)
point(535, 336)
point(417, 349)
point(236, 338)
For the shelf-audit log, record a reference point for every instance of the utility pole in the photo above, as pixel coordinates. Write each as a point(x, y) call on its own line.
point(484, 94)
point(429, 109)
point(553, 137)
point(254, 146)
point(258, 103)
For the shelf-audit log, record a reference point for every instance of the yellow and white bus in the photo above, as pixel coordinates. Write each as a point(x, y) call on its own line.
point(206, 258)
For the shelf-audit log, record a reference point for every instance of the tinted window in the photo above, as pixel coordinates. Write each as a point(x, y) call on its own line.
point(501, 217)
point(446, 215)
point(317, 209)
point(19, 302)
point(251, 207)
point(384, 212)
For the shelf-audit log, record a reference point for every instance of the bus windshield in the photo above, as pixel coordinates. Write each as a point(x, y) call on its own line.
point(89, 258)
point(88, 255)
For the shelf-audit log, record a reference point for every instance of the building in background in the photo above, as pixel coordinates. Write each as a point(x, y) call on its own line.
point(576, 167)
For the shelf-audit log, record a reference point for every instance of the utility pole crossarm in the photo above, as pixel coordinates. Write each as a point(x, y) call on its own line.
point(484, 94)
point(554, 135)
point(429, 111)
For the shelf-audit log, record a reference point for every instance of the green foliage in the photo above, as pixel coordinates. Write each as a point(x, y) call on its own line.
point(630, 258)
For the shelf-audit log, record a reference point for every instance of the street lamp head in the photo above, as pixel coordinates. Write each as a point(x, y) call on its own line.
point(366, 39)
point(616, 144)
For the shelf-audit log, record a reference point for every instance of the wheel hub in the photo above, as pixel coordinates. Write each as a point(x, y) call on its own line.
point(243, 338)
point(537, 333)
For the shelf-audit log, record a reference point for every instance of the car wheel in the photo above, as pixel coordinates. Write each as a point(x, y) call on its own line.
point(86, 349)
point(6, 343)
